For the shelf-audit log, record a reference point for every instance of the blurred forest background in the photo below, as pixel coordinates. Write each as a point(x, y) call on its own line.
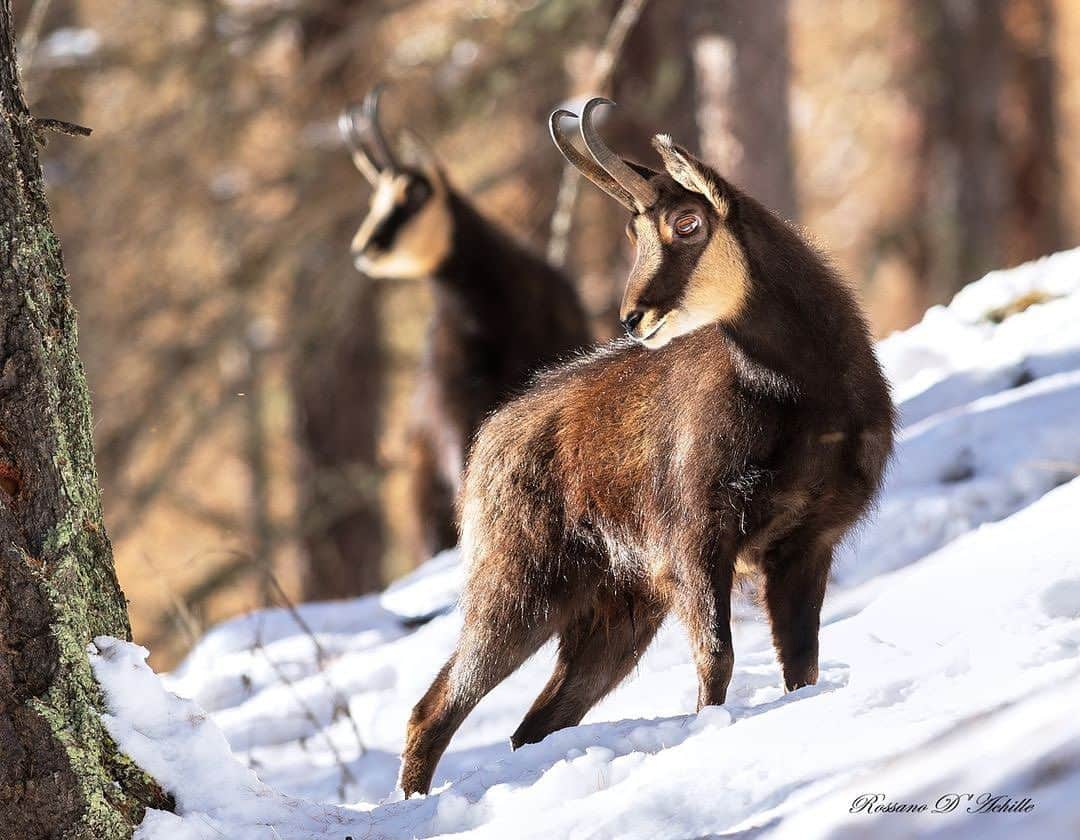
point(249, 385)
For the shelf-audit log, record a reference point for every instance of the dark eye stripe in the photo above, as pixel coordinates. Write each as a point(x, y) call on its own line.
point(387, 232)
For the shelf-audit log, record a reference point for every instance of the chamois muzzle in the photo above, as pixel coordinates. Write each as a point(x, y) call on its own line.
point(605, 168)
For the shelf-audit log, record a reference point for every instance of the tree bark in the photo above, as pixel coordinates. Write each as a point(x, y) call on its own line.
point(61, 776)
point(743, 70)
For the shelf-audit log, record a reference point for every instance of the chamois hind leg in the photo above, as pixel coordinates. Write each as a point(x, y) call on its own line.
point(596, 652)
point(488, 652)
point(796, 571)
point(703, 602)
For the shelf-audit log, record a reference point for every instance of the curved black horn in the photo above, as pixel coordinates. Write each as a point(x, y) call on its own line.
point(371, 120)
point(643, 193)
point(351, 135)
point(589, 168)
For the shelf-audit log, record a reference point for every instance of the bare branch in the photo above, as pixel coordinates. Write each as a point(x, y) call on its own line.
point(603, 73)
point(71, 129)
point(347, 776)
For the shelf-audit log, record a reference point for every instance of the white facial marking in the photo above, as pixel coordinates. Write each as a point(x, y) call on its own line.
point(420, 245)
point(389, 191)
point(719, 284)
point(715, 291)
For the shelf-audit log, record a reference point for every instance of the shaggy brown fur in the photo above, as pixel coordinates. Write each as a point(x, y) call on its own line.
point(630, 482)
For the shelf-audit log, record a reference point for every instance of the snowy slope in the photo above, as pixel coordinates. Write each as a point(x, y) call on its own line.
point(949, 657)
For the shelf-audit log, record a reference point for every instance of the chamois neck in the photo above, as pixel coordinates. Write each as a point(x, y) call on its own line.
point(800, 321)
point(468, 286)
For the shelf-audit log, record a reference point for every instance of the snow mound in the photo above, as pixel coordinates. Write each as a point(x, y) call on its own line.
point(949, 668)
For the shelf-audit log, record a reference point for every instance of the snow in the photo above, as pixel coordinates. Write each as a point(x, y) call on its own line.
point(949, 659)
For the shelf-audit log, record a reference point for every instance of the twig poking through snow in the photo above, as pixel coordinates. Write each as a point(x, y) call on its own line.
point(340, 703)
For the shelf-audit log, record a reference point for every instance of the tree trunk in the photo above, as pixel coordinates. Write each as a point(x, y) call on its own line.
point(963, 160)
point(60, 773)
point(985, 193)
point(1029, 123)
point(743, 71)
point(337, 388)
point(336, 378)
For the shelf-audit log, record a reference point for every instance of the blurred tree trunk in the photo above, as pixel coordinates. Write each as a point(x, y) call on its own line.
point(1029, 122)
point(337, 376)
point(60, 773)
point(743, 75)
point(337, 388)
point(962, 160)
point(986, 192)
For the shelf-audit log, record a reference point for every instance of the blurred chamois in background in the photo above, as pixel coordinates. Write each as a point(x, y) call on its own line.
point(252, 389)
point(501, 312)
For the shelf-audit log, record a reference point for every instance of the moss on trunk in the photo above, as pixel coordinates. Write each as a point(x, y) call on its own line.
point(60, 773)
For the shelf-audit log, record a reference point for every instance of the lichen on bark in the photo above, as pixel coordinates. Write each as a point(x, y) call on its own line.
point(61, 775)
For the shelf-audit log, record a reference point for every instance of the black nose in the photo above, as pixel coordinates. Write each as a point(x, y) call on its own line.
point(633, 319)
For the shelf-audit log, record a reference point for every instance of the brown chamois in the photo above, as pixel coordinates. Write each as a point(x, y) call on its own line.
point(501, 312)
point(746, 421)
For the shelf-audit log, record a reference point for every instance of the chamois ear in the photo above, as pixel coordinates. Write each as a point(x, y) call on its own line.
point(415, 152)
point(692, 174)
point(640, 168)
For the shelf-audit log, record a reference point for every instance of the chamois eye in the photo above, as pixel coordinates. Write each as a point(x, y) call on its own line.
point(687, 223)
point(418, 191)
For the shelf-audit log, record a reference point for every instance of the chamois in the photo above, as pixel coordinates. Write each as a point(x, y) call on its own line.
point(744, 423)
point(501, 312)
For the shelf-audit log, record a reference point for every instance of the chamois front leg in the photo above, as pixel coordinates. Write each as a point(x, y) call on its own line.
point(796, 571)
point(703, 601)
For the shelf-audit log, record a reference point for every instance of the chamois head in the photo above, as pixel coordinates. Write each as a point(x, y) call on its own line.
point(690, 269)
point(408, 229)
